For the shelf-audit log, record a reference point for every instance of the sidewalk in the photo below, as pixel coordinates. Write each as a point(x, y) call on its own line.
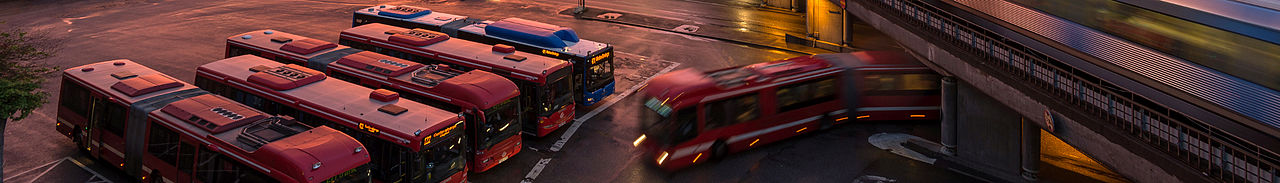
point(714, 31)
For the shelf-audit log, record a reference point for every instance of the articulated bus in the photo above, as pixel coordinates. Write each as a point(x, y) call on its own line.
point(592, 61)
point(544, 83)
point(487, 101)
point(409, 141)
point(159, 129)
point(694, 116)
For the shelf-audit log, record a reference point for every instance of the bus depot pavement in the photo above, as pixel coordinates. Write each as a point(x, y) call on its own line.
point(176, 36)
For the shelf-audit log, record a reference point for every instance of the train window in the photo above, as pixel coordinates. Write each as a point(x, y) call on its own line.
point(805, 94)
point(732, 111)
point(74, 97)
point(186, 157)
point(919, 82)
point(112, 116)
point(163, 144)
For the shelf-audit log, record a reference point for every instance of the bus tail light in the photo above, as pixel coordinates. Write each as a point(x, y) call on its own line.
point(662, 158)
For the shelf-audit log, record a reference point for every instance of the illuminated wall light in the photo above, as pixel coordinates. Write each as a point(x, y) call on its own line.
point(638, 140)
point(917, 115)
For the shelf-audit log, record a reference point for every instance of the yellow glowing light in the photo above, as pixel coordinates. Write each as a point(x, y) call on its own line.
point(662, 158)
point(864, 116)
point(695, 159)
point(917, 115)
point(842, 119)
point(802, 129)
point(742, 29)
point(122, 164)
point(638, 140)
point(753, 143)
point(551, 53)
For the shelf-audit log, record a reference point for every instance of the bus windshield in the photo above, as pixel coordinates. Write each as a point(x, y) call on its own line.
point(667, 131)
point(442, 158)
point(554, 96)
point(599, 73)
point(358, 174)
point(499, 121)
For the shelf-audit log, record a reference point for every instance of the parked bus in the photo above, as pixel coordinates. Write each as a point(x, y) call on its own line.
point(409, 141)
point(487, 101)
point(592, 61)
point(159, 129)
point(544, 83)
point(694, 116)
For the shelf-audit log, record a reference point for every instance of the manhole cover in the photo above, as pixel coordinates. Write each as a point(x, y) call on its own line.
point(609, 16)
point(687, 28)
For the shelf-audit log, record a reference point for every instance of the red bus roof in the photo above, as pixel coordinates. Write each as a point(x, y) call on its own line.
point(125, 80)
point(474, 54)
point(345, 100)
point(319, 144)
point(688, 86)
point(298, 47)
point(476, 87)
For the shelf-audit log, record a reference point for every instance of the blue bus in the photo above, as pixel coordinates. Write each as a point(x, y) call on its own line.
point(592, 61)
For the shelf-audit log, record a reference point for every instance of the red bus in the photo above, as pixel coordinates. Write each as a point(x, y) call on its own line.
point(592, 61)
point(696, 115)
point(487, 101)
point(159, 129)
point(545, 83)
point(409, 141)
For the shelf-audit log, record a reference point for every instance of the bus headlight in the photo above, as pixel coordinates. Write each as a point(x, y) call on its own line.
point(638, 140)
point(662, 158)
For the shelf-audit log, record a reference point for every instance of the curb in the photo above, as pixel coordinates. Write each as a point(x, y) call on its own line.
point(698, 35)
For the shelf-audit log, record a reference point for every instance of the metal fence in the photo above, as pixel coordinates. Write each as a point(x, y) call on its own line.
point(1203, 147)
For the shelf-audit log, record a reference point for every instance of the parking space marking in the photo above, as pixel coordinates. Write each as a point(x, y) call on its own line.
point(537, 169)
point(49, 165)
point(95, 173)
point(54, 164)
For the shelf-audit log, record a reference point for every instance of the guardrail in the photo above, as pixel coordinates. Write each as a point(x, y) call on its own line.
point(1203, 147)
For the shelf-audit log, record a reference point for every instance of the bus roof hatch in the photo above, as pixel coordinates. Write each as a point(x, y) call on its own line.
point(286, 77)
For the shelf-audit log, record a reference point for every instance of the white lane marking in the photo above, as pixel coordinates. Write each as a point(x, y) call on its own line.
point(32, 169)
point(95, 173)
point(578, 122)
point(537, 169)
point(49, 167)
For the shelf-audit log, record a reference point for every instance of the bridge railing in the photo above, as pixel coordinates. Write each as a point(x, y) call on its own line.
point(1203, 147)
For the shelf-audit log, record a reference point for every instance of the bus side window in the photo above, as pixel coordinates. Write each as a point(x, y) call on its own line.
point(186, 157)
point(74, 97)
point(344, 77)
point(732, 111)
point(687, 119)
point(163, 144)
point(112, 116)
point(214, 167)
point(237, 51)
point(800, 95)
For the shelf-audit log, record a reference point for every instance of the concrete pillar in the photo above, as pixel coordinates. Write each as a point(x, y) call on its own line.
point(949, 117)
point(1030, 150)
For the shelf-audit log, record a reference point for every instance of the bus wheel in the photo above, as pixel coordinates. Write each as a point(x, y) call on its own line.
point(719, 150)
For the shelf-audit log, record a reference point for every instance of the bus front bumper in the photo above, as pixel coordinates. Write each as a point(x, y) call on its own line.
point(594, 97)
